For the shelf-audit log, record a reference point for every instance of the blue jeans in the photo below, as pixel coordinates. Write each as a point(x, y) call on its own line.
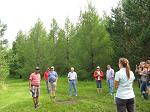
point(72, 83)
point(125, 104)
point(111, 85)
point(144, 90)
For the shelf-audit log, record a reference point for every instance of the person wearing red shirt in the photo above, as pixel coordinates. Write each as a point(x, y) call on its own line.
point(46, 79)
point(98, 75)
point(34, 86)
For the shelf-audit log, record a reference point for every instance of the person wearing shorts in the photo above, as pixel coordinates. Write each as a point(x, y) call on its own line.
point(52, 78)
point(34, 86)
point(98, 75)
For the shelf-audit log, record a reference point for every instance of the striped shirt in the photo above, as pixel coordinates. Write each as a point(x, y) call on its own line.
point(35, 79)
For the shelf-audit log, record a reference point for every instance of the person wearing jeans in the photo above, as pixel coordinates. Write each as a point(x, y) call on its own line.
point(110, 78)
point(123, 83)
point(72, 77)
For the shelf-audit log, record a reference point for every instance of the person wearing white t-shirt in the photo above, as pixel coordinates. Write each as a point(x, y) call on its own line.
point(72, 77)
point(123, 83)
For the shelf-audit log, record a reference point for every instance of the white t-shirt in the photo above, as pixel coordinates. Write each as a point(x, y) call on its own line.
point(125, 89)
point(98, 75)
point(72, 75)
point(110, 74)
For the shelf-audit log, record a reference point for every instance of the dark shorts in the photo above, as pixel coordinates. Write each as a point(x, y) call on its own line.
point(98, 83)
point(125, 104)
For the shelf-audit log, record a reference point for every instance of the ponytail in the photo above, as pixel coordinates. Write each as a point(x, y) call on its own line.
point(125, 63)
point(128, 70)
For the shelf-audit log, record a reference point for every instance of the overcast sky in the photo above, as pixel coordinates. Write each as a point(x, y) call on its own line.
point(23, 14)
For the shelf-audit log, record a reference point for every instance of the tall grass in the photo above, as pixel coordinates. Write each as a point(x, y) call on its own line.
point(16, 98)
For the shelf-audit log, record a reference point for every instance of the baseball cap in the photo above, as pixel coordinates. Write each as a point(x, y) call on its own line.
point(52, 67)
point(37, 68)
point(97, 67)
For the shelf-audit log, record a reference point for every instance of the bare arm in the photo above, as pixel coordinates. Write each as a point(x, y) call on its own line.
point(29, 84)
point(116, 84)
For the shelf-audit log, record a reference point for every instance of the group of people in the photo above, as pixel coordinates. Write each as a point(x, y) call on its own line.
point(51, 78)
point(34, 83)
point(122, 80)
point(143, 78)
point(98, 76)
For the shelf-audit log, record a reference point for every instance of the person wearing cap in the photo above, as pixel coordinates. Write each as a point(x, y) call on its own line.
point(46, 79)
point(72, 77)
point(110, 78)
point(52, 79)
point(98, 75)
point(34, 86)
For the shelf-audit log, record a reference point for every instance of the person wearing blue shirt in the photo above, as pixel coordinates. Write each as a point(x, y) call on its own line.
point(52, 79)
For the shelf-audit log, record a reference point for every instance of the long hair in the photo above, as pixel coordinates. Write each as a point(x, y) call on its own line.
point(125, 63)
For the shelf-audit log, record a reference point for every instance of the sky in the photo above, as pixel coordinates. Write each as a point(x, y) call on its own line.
point(23, 14)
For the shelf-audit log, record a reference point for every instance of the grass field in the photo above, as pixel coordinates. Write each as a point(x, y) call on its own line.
point(16, 98)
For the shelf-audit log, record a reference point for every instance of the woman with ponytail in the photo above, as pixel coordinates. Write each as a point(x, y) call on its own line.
point(123, 83)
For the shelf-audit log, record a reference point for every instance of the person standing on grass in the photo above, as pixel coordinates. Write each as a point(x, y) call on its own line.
point(46, 79)
point(110, 78)
point(52, 79)
point(98, 75)
point(34, 86)
point(123, 83)
point(72, 78)
point(148, 77)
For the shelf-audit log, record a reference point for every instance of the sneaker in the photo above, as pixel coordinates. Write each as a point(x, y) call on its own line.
point(76, 95)
point(35, 106)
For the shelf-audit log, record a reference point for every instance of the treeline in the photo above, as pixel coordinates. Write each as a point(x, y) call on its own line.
point(83, 46)
point(92, 41)
point(4, 67)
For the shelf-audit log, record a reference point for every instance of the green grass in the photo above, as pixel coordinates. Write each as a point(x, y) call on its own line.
point(16, 98)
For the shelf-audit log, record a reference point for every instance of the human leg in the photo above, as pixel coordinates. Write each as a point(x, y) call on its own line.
point(100, 86)
point(111, 86)
point(70, 88)
point(74, 86)
point(121, 105)
point(130, 105)
point(47, 86)
point(97, 85)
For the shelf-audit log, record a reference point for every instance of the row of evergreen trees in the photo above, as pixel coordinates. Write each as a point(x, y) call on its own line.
point(83, 46)
point(4, 67)
point(92, 41)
